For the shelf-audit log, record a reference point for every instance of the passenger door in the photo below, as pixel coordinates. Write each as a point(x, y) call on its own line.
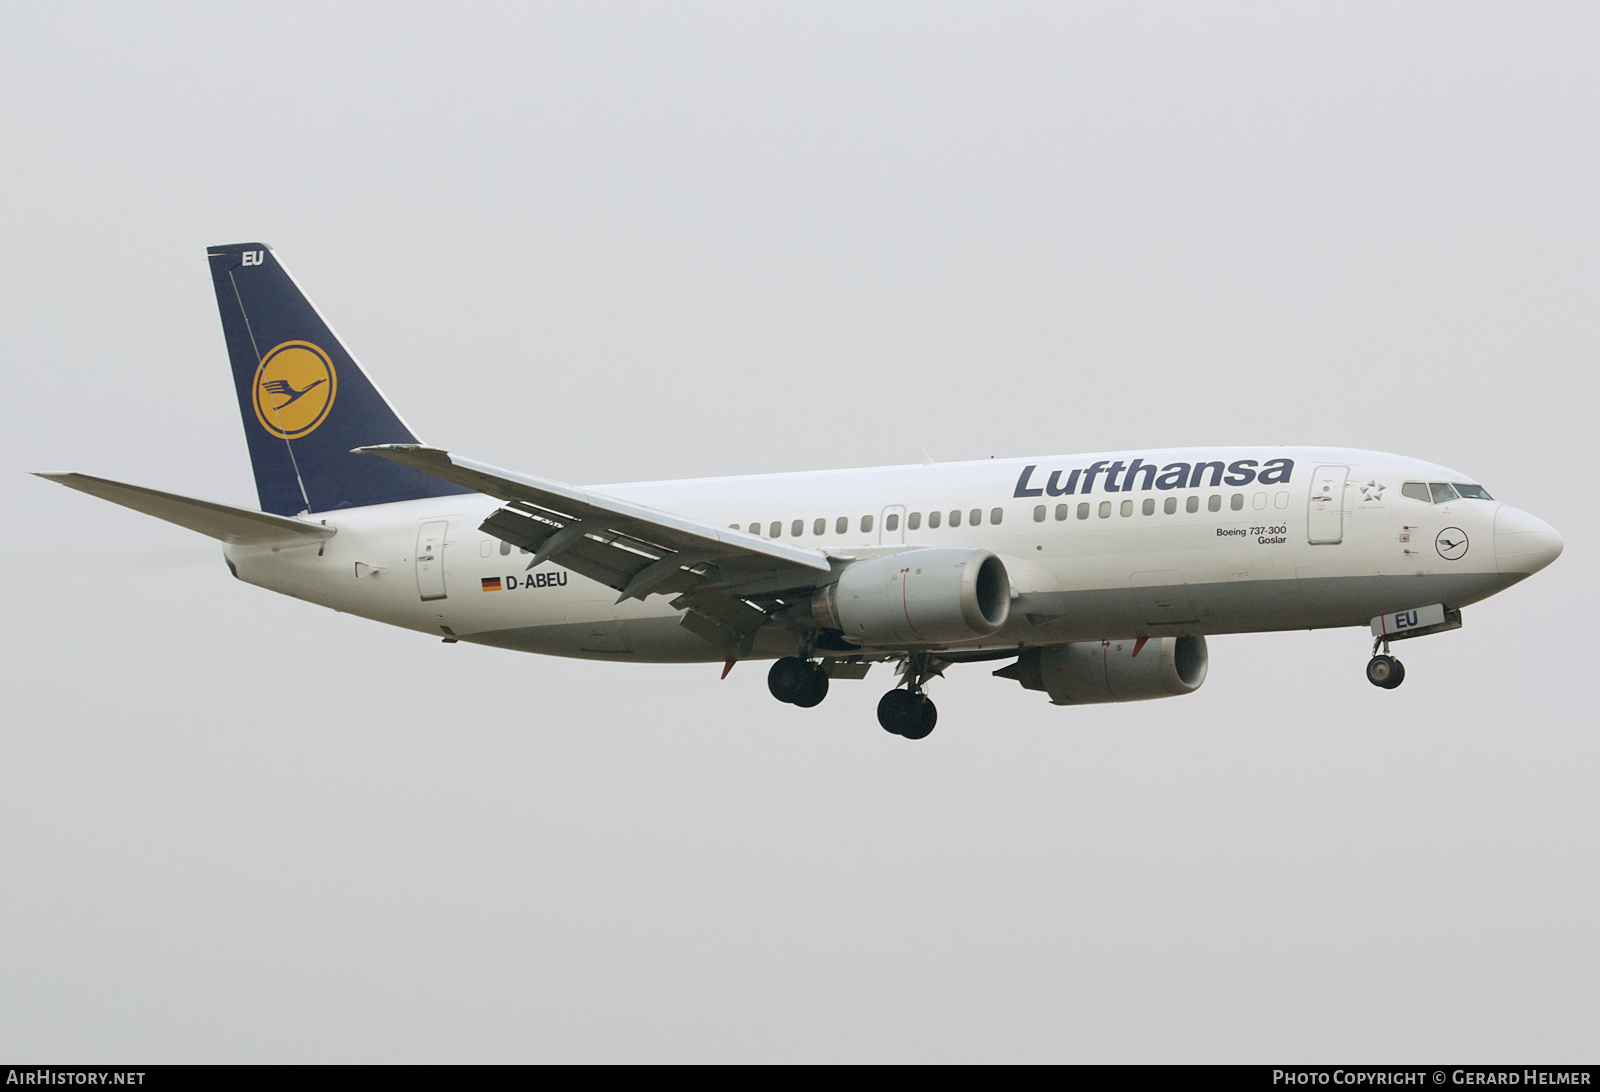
point(1325, 508)
point(430, 559)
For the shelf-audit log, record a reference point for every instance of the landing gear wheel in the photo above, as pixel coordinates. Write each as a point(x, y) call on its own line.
point(1385, 671)
point(797, 682)
point(903, 713)
point(930, 717)
point(816, 688)
point(789, 679)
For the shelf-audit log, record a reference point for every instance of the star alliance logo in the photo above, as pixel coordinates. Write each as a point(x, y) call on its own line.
point(1372, 491)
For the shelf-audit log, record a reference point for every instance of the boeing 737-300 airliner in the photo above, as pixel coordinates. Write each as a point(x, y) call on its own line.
point(1097, 576)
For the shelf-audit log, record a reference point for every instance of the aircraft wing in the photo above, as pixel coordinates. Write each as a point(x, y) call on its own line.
point(633, 548)
point(239, 526)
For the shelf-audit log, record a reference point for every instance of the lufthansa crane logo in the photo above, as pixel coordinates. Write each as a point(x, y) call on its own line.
point(1451, 543)
point(294, 389)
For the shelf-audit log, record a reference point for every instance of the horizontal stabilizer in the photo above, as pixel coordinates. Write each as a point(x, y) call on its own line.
point(239, 526)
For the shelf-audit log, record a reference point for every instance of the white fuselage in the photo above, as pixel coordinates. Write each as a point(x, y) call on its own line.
point(1328, 541)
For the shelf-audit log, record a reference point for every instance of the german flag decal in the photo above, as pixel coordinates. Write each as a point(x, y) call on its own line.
point(492, 583)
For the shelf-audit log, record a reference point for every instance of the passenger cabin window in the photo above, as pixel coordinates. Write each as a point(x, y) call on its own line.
point(775, 529)
point(955, 518)
point(1083, 510)
point(891, 522)
point(1473, 492)
point(1105, 509)
point(975, 516)
point(1192, 504)
point(934, 518)
point(1442, 492)
point(505, 548)
point(1259, 501)
point(866, 525)
point(1237, 502)
point(1215, 503)
point(841, 525)
point(913, 521)
point(1170, 505)
point(819, 527)
point(1063, 511)
point(1038, 513)
point(1149, 506)
point(1127, 508)
point(755, 528)
point(996, 515)
point(797, 528)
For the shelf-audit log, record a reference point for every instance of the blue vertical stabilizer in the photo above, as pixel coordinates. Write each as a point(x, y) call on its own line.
point(304, 399)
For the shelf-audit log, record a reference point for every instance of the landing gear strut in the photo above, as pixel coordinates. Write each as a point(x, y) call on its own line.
point(1384, 670)
point(798, 682)
point(906, 711)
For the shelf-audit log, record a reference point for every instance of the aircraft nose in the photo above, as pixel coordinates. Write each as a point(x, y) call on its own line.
point(1522, 543)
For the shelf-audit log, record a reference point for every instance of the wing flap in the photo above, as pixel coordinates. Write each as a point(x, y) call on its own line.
point(238, 526)
point(630, 547)
point(616, 560)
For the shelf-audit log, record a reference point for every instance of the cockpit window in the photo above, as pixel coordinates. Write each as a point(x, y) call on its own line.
point(1441, 492)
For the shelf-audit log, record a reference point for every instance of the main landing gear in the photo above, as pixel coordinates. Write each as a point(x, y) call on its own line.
point(798, 682)
point(1384, 670)
point(907, 711)
point(904, 711)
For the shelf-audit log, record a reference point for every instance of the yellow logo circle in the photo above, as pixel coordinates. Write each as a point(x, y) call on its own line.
point(294, 389)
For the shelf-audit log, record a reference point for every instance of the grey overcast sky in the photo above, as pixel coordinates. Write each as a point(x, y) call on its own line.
point(607, 242)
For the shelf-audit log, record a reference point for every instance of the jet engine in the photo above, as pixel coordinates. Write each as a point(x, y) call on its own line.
point(1089, 672)
point(919, 597)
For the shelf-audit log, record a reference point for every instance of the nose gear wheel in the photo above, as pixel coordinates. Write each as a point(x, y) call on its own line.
point(1385, 671)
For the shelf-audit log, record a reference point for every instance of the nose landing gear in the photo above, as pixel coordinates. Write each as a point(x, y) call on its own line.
point(1385, 670)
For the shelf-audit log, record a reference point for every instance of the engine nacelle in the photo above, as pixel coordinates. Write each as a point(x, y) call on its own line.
point(1090, 672)
point(918, 597)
